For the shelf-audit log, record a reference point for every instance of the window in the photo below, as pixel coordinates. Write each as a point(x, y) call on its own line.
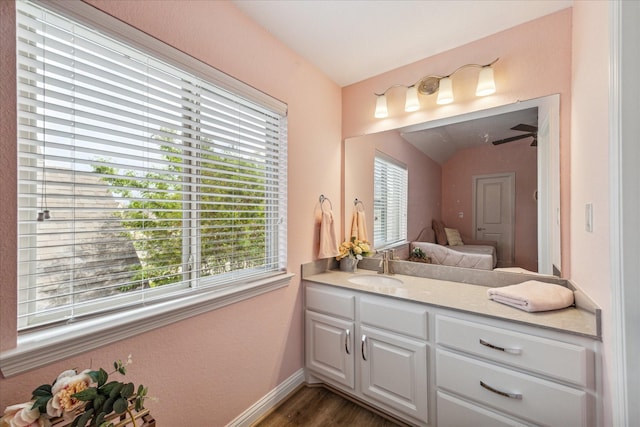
point(389, 201)
point(140, 179)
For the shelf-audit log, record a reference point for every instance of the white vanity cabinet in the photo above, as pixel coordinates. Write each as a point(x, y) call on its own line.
point(393, 354)
point(388, 352)
point(432, 365)
point(495, 375)
point(329, 329)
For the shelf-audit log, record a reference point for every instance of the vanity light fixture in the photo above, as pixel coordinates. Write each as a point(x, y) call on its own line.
point(431, 84)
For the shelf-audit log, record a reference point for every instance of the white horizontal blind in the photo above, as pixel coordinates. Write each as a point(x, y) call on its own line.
point(156, 181)
point(389, 201)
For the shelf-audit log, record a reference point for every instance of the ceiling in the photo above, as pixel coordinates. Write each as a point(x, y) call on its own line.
point(352, 40)
point(440, 143)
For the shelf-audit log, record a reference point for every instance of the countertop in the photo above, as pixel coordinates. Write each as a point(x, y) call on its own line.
point(465, 297)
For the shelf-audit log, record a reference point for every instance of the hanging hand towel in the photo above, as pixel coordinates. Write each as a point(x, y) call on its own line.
point(359, 225)
point(328, 241)
point(533, 296)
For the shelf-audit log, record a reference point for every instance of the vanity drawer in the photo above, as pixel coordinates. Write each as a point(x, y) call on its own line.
point(454, 412)
point(540, 401)
point(403, 317)
point(563, 361)
point(332, 301)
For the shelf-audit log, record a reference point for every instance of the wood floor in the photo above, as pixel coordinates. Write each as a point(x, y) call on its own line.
point(317, 406)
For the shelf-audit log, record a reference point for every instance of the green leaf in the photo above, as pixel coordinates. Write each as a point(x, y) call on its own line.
point(98, 402)
point(120, 405)
point(100, 377)
point(139, 403)
point(84, 418)
point(99, 419)
point(87, 394)
point(43, 390)
point(106, 389)
point(127, 390)
point(41, 403)
point(115, 391)
point(108, 405)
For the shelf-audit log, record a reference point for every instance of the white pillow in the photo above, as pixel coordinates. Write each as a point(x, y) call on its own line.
point(453, 236)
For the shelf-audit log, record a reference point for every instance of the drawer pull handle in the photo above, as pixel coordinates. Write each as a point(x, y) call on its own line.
point(495, 347)
point(516, 396)
point(364, 342)
point(347, 340)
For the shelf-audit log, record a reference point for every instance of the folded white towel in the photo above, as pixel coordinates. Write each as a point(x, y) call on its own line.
point(328, 241)
point(533, 295)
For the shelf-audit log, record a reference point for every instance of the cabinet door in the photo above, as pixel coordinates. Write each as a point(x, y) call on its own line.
point(329, 348)
point(393, 371)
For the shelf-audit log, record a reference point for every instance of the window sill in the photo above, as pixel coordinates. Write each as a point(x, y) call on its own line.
point(40, 348)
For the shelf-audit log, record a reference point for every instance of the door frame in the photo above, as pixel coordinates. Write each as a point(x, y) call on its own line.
point(624, 224)
point(512, 206)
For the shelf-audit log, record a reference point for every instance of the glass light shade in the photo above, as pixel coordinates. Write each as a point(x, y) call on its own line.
point(486, 84)
point(381, 107)
point(412, 103)
point(445, 92)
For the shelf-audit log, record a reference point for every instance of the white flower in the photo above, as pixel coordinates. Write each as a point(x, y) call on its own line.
point(21, 415)
point(67, 384)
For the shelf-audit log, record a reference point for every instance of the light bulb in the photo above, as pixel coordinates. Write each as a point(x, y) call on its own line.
point(486, 84)
point(412, 103)
point(381, 107)
point(445, 91)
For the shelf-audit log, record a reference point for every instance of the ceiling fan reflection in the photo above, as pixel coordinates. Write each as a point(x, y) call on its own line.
point(532, 131)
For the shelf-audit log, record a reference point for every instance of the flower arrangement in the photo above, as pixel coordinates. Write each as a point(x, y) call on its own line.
point(84, 399)
point(418, 255)
point(353, 248)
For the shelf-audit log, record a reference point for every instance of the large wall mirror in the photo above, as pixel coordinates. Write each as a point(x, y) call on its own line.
point(448, 158)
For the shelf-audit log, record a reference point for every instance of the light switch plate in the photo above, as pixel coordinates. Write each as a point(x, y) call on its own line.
point(588, 217)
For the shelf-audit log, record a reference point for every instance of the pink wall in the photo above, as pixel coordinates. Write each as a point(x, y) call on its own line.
point(535, 61)
point(210, 368)
point(590, 171)
point(457, 183)
point(424, 179)
point(250, 347)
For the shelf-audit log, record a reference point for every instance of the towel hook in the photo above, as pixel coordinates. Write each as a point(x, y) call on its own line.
point(322, 200)
point(357, 202)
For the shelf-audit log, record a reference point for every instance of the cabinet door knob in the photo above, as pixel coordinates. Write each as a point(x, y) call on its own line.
point(495, 347)
point(516, 396)
point(347, 340)
point(481, 228)
point(362, 345)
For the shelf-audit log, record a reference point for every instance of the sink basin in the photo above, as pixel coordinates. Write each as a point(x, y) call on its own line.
point(375, 280)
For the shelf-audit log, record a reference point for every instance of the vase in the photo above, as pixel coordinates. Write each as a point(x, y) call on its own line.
point(349, 265)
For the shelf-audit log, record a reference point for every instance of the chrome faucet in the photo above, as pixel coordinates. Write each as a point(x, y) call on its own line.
point(384, 262)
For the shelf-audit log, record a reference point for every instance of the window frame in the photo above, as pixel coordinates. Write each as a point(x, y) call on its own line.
point(386, 213)
point(41, 346)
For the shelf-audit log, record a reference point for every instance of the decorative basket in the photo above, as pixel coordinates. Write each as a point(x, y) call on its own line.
point(142, 418)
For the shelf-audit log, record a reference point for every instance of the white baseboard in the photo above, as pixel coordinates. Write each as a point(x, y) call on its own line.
point(270, 400)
